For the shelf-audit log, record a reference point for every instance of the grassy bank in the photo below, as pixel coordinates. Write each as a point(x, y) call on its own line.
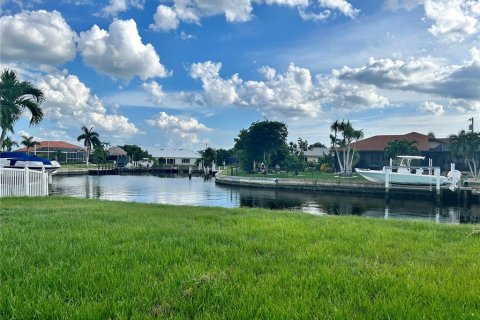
point(307, 175)
point(87, 259)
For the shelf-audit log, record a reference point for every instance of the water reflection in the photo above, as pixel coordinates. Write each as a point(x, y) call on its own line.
point(173, 189)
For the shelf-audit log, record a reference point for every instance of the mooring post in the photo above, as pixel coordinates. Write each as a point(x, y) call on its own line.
point(437, 180)
point(387, 183)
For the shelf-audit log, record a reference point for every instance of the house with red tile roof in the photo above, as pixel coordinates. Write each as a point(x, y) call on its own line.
point(59, 150)
point(372, 155)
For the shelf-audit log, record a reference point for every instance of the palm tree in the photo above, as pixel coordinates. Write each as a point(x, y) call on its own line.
point(8, 143)
point(465, 146)
point(15, 97)
point(29, 143)
point(400, 147)
point(344, 142)
point(90, 140)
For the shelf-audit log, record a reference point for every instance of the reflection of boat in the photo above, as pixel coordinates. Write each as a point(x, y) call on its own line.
point(406, 174)
point(20, 160)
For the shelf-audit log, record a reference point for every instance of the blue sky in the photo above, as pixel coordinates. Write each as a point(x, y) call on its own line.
point(186, 73)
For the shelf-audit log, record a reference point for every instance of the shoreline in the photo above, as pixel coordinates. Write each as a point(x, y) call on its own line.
point(464, 194)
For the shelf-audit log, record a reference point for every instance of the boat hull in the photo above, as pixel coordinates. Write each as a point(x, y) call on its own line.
point(378, 176)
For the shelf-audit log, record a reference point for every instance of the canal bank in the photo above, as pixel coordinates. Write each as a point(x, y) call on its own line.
point(461, 196)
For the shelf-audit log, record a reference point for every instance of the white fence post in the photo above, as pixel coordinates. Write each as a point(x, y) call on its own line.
point(27, 182)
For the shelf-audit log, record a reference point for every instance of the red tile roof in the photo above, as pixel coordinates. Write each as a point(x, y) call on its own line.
point(378, 143)
point(52, 145)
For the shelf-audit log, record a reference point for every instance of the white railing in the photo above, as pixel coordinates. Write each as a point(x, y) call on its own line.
point(23, 182)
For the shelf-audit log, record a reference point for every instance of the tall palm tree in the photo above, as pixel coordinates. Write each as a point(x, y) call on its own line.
point(29, 143)
point(8, 143)
point(90, 140)
point(15, 97)
point(466, 146)
point(401, 147)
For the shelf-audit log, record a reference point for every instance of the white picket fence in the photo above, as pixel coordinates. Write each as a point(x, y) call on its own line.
point(23, 182)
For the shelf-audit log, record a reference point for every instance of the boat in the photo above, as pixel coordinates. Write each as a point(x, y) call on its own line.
point(20, 160)
point(406, 174)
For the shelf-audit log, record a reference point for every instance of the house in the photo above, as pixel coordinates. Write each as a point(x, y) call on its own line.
point(181, 158)
point(118, 155)
point(372, 154)
point(315, 154)
point(59, 150)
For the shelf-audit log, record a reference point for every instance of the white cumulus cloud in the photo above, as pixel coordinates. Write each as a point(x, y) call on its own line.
point(192, 11)
point(184, 128)
point(70, 103)
point(217, 90)
point(38, 37)
point(453, 20)
point(117, 6)
point(423, 75)
point(155, 91)
point(119, 52)
point(432, 107)
point(165, 19)
point(293, 94)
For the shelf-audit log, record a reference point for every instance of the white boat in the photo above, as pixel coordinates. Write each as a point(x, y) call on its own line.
point(406, 174)
point(20, 160)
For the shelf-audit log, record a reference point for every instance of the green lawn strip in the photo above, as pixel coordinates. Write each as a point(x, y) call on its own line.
point(315, 175)
point(75, 258)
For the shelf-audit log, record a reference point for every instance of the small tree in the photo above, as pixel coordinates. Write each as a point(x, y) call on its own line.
point(465, 147)
point(263, 141)
point(342, 138)
point(90, 140)
point(135, 152)
point(8, 143)
point(208, 156)
point(29, 143)
point(401, 147)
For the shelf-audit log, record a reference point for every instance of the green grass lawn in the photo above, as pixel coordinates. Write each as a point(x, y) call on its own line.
point(87, 259)
point(77, 166)
point(312, 175)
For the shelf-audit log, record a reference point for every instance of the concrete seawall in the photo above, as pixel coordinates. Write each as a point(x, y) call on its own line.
point(342, 186)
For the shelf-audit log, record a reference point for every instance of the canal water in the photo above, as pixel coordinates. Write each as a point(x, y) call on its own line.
point(179, 190)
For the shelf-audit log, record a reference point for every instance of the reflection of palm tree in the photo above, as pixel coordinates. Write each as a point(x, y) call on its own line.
point(15, 97)
point(90, 140)
point(8, 143)
point(29, 143)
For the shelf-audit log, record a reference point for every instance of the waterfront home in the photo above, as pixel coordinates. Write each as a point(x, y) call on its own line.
point(59, 150)
point(315, 154)
point(179, 158)
point(372, 150)
point(118, 155)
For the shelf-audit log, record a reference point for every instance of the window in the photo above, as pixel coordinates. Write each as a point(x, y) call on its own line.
point(185, 160)
point(170, 161)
